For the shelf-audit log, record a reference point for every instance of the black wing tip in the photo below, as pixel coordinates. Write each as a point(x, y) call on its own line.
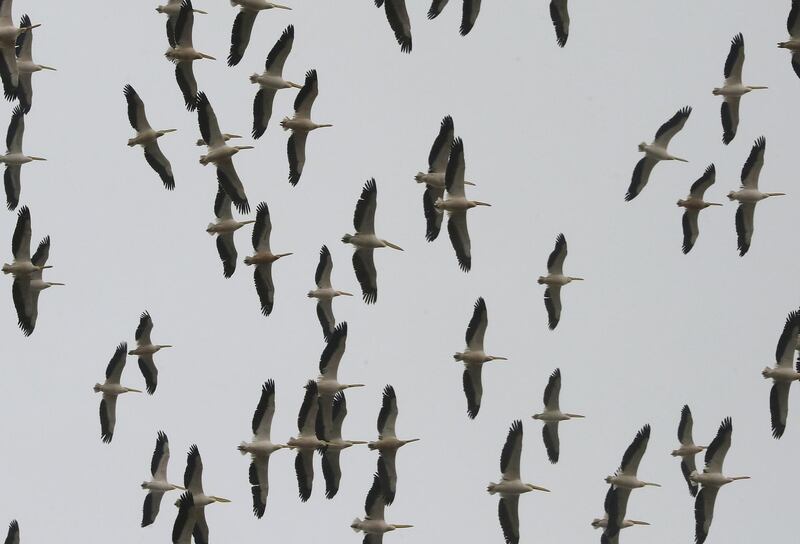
point(738, 39)
point(388, 392)
point(194, 451)
point(128, 91)
point(685, 111)
point(516, 427)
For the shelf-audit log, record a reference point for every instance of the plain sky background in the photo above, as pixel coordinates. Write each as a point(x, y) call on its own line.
point(550, 137)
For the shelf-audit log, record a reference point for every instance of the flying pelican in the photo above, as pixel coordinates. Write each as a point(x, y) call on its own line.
point(468, 15)
point(329, 427)
point(193, 481)
point(397, 14)
point(611, 522)
point(158, 484)
point(364, 241)
point(783, 374)
point(185, 521)
point(220, 154)
point(374, 525)
point(111, 389)
point(25, 65)
point(147, 137)
point(748, 195)
point(271, 81)
point(625, 476)
point(9, 70)
point(306, 441)
point(656, 152)
point(14, 158)
point(26, 289)
point(688, 449)
point(555, 280)
point(793, 45)
point(560, 16)
point(183, 54)
point(456, 205)
point(388, 443)
point(22, 264)
point(13, 533)
point(474, 357)
point(511, 486)
point(733, 89)
point(324, 293)
point(300, 125)
point(261, 447)
point(145, 349)
point(243, 25)
point(552, 415)
point(172, 9)
point(712, 479)
point(328, 383)
point(263, 258)
point(693, 204)
point(224, 227)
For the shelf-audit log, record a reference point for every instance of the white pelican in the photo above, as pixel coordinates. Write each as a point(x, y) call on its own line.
point(555, 280)
point(13, 533)
point(434, 179)
point(474, 357)
point(300, 125)
point(26, 289)
point(185, 521)
point(22, 265)
point(559, 14)
point(147, 137)
point(328, 383)
point(364, 241)
point(9, 71)
point(783, 373)
point(324, 293)
point(158, 484)
point(14, 158)
point(793, 45)
point(511, 486)
point(111, 389)
point(748, 195)
point(145, 349)
point(183, 54)
point(221, 154)
point(306, 442)
point(263, 258)
point(224, 227)
point(271, 81)
point(733, 89)
point(469, 13)
point(388, 443)
point(612, 522)
point(693, 204)
point(26, 66)
point(552, 415)
point(397, 14)
point(329, 428)
point(172, 9)
point(261, 447)
point(687, 449)
point(456, 205)
point(656, 152)
point(193, 481)
point(712, 479)
point(374, 525)
point(243, 25)
point(625, 476)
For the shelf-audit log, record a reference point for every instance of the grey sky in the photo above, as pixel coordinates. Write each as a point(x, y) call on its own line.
point(550, 138)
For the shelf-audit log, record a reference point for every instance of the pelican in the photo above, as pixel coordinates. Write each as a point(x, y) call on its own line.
point(300, 125)
point(111, 389)
point(388, 443)
point(263, 258)
point(193, 481)
point(612, 522)
point(25, 65)
point(185, 521)
point(225, 137)
point(158, 484)
point(243, 25)
point(329, 427)
point(693, 204)
point(793, 45)
point(22, 264)
point(783, 374)
point(172, 9)
point(456, 205)
point(712, 479)
point(733, 89)
point(147, 137)
point(625, 476)
point(145, 349)
point(9, 70)
point(552, 415)
point(511, 486)
point(271, 81)
point(555, 280)
point(656, 152)
point(306, 441)
point(14, 158)
point(327, 382)
point(183, 54)
point(374, 525)
point(474, 357)
point(221, 154)
point(224, 227)
point(469, 13)
point(261, 447)
point(688, 449)
point(26, 289)
point(364, 241)
point(324, 293)
point(748, 195)
point(397, 14)
point(560, 16)
point(13, 533)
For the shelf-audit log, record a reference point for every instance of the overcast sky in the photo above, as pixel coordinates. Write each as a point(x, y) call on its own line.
point(550, 138)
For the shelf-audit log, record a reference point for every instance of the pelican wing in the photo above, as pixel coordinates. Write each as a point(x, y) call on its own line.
point(364, 216)
point(227, 253)
point(11, 179)
point(555, 262)
point(633, 455)
point(117, 363)
point(552, 303)
point(304, 100)
point(387, 471)
point(387, 417)
point(184, 75)
point(9, 72)
point(325, 316)
point(240, 34)
point(200, 531)
point(171, 20)
point(262, 111)
point(508, 512)
point(699, 187)
point(184, 24)
point(616, 507)
point(296, 151)
point(440, 150)
point(367, 276)
point(262, 277)
point(375, 503)
point(193, 475)
point(24, 44)
point(158, 464)
point(25, 89)
point(21, 240)
point(459, 238)
point(108, 417)
point(640, 177)
point(793, 21)
point(685, 427)
point(787, 341)
point(26, 304)
point(779, 407)
point(207, 119)
point(752, 167)
point(158, 162)
point(433, 217)
point(553, 391)
point(136, 113)
point(322, 277)
point(222, 204)
point(735, 60)
point(436, 8)
point(397, 15)
point(795, 65)
point(229, 180)
point(718, 449)
point(672, 127)
point(551, 441)
point(704, 512)
point(373, 538)
point(41, 255)
point(690, 229)
point(304, 468)
point(12, 537)
point(333, 352)
point(144, 329)
point(454, 176)
point(469, 15)
point(476, 329)
point(262, 228)
point(307, 417)
point(262, 418)
point(150, 373)
point(729, 113)
point(512, 449)
point(185, 520)
point(16, 130)
point(687, 467)
point(339, 412)
point(332, 472)
point(151, 507)
point(259, 484)
point(279, 52)
point(560, 17)
point(744, 226)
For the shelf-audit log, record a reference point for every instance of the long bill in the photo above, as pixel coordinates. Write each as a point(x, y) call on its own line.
point(36, 158)
point(401, 526)
point(43, 67)
point(637, 522)
point(651, 484)
point(575, 415)
point(218, 499)
point(393, 246)
point(538, 488)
